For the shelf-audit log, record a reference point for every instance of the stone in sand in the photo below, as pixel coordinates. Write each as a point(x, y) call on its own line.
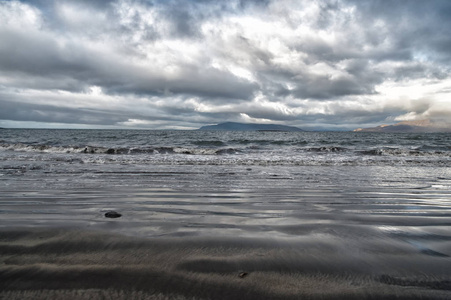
point(112, 214)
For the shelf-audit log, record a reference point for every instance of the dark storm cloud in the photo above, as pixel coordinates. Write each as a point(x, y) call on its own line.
point(342, 62)
point(209, 83)
point(415, 26)
point(184, 18)
point(323, 87)
point(39, 56)
point(17, 111)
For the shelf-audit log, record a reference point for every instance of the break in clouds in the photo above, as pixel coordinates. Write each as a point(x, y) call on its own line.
point(183, 64)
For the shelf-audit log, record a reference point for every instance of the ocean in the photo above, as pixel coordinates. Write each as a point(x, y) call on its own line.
point(356, 204)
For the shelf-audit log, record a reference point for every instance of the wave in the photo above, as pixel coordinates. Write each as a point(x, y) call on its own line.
point(209, 143)
point(402, 152)
point(434, 147)
point(118, 150)
point(39, 148)
point(327, 149)
point(220, 148)
point(255, 142)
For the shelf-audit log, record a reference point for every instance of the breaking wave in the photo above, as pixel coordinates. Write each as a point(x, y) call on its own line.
point(237, 148)
point(402, 152)
point(327, 149)
point(222, 149)
point(20, 147)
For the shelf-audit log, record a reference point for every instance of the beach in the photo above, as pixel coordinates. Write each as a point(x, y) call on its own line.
point(196, 245)
point(216, 223)
point(68, 264)
point(225, 150)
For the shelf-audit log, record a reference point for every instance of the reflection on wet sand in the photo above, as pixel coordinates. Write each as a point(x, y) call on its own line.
point(290, 243)
point(92, 265)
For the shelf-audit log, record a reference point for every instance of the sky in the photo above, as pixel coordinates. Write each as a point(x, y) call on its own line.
point(180, 64)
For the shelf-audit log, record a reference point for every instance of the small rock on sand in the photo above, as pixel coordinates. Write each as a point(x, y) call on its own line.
point(112, 214)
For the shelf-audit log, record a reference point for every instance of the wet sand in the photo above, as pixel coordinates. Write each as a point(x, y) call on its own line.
point(320, 233)
point(75, 264)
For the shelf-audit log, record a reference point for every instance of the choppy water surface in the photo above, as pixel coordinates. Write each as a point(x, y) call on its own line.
point(223, 148)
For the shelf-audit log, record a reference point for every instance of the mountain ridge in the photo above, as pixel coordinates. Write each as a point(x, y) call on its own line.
point(235, 126)
point(416, 126)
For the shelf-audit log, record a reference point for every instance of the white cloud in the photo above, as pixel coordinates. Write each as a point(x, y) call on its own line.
point(16, 15)
point(188, 63)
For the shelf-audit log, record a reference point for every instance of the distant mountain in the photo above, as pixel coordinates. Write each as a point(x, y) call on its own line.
point(232, 126)
point(411, 126)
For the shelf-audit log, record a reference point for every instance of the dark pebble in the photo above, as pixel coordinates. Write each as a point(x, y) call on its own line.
point(112, 214)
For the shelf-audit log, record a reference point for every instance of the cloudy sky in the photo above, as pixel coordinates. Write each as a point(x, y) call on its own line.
point(158, 64)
